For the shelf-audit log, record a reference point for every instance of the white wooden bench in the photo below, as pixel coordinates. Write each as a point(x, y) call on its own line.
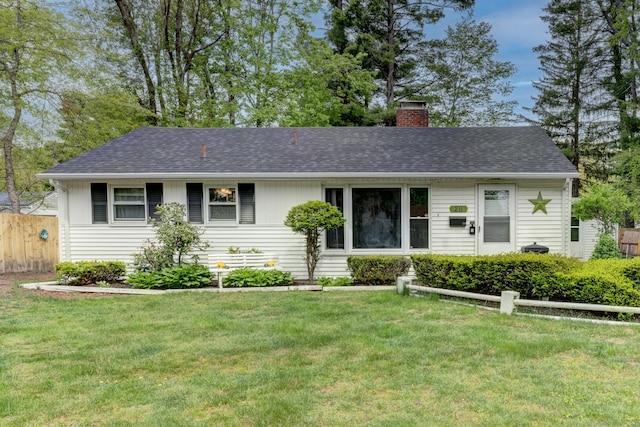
point(223, 263)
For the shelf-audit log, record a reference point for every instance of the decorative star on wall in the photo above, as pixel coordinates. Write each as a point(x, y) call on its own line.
point(539, 204)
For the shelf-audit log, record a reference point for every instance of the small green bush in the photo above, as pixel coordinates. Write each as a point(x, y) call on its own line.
point(334, 281)
point(251, 277)
point(84, 273)
point(604, 282)
point(377, 269)
point(606, 248)
point(184, 276)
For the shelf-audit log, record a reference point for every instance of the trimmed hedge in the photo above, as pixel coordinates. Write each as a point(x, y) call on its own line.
point(490, 274)
point(377, 269)
point(84, 273)
point(611, 282)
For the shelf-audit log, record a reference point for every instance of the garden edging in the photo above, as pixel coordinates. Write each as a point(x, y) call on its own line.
point(53, 286)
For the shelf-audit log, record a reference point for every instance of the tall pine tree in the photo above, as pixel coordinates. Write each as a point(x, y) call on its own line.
point(571, 97)
point(391, 34)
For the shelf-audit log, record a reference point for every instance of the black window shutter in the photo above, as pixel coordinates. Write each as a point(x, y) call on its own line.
point(99, 203)
point(246, 193)
point(194, 202)
point(154, 198)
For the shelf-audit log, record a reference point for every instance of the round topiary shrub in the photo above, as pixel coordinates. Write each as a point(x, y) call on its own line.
point(606, 248)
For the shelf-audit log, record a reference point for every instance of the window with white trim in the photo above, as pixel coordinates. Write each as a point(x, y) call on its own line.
point(120, 203)
point(419, 218)
point(222, 204)
point(129, 204)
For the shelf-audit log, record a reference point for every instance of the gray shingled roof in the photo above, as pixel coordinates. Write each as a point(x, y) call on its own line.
point(314, 152)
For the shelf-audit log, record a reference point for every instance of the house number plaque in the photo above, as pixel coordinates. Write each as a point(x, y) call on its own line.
point(457, 208)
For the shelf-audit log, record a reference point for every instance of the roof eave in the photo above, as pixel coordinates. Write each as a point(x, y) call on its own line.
point(307, 175)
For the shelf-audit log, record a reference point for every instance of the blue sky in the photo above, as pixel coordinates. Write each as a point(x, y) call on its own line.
point(517, 27)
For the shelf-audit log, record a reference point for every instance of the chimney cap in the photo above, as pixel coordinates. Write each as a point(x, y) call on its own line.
point(413, 105)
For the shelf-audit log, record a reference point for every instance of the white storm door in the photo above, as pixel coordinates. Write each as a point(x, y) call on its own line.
point(496, 213)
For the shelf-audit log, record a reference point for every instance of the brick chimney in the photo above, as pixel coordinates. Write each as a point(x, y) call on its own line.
point(412, 114)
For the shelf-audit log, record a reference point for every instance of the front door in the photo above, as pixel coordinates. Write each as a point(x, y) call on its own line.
point(496, 219)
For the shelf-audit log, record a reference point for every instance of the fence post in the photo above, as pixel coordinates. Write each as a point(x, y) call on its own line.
point(401, 283)
point(506, 301)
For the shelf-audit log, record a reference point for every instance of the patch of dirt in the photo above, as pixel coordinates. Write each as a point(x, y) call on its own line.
point(8, 280)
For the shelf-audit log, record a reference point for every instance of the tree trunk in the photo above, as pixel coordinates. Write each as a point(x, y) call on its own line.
point(7, 144)
point(130, 26)
point(390, 89)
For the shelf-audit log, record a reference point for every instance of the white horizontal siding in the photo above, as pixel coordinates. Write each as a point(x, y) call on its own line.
point(589, 237)
point(446, 239)
point(274, 199)
point(544, 229)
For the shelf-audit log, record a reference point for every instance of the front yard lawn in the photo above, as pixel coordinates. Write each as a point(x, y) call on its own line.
point(302, 358)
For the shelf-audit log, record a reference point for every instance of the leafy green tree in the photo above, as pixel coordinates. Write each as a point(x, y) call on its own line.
point(469, 87)
point(200, 63)
point(604, 203)
point(91, 119)
point(311, 219)
point(326, 88)
point(37, 46)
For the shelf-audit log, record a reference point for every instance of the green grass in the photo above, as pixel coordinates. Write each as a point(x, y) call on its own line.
point(306, 359)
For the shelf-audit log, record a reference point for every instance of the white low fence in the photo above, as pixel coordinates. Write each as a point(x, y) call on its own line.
point(509, 300)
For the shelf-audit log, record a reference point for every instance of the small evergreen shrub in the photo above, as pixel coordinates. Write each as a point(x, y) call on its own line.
point(185, 276)
point(83, 273)
point(377, 269)
point(606, 248)
point(252, 277)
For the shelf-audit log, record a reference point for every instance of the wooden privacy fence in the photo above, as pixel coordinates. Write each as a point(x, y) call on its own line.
point(29, 243)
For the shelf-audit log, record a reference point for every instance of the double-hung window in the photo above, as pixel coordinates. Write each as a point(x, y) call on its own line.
point(129, 204)
point(222, 204)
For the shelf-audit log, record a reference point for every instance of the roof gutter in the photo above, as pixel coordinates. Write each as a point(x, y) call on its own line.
point(306, 175)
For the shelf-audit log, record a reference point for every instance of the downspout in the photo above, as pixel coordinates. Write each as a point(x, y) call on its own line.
point(63, 220)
